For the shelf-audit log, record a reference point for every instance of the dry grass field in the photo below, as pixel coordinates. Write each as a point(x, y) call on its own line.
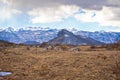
point(31, 63)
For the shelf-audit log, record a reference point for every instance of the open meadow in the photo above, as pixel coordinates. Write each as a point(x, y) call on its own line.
point(59, 63)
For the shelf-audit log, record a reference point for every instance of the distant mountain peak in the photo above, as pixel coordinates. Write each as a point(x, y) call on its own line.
point(72, 30)
point(36, 28)
point(9, 29)
point(64, 32)
point(68, 38)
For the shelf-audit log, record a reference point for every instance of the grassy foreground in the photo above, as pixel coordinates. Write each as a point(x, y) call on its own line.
point(31, 63)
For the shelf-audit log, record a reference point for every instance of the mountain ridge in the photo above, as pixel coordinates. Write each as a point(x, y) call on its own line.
point(68, 38)
point(41, 35)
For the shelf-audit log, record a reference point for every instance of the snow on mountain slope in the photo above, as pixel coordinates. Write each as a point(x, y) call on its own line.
point(39, 34)
point(106, 37)
point(24, 35)
point(36, 28)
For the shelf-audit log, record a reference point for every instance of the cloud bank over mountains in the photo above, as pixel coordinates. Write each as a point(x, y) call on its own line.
point(104, 12)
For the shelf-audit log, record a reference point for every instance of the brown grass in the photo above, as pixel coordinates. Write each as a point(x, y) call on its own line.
point(116, 66)
point(25, 64)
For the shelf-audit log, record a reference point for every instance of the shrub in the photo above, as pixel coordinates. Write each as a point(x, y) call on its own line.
point(28, 48)
point(64, 47)
point(44, 44)
point(93, 47)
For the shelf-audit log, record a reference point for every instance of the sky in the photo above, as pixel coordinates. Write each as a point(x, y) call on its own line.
point(86, 15)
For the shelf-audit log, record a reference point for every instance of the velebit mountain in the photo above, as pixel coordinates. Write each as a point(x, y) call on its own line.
point(34, 35)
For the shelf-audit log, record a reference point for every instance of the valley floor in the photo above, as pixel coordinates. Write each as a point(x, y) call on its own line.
point(39, 64)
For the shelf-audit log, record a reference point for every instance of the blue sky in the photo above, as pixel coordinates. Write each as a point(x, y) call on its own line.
point(87, 15)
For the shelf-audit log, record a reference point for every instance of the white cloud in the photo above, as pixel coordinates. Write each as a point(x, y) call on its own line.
point(108, 16)
point(52, 14)
point(46, 11)
point(6, 13)
point(7, 2)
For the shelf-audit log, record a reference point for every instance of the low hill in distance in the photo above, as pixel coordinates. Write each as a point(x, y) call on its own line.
point(31, 43)
point(5, 43)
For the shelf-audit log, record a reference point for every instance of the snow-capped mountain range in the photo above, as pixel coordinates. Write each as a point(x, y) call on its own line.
point(39, 35)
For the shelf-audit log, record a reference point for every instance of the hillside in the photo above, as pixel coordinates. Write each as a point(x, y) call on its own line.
point(68, 38)
point(5, 43)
